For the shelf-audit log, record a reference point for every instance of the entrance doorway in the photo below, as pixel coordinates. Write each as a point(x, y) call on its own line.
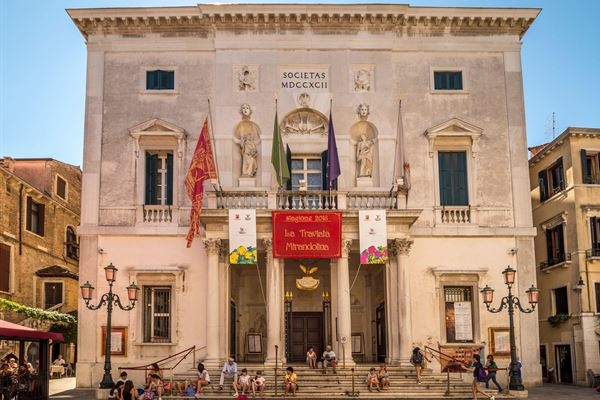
point(563, 363)
point(306, 331)
point(380, 332)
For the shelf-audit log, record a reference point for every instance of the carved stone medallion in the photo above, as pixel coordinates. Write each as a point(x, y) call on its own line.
point(304, 121)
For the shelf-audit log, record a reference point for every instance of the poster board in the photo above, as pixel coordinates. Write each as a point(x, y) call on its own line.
point(499, 340)
point(254, 344)
point(118, 340)
point(463, 318)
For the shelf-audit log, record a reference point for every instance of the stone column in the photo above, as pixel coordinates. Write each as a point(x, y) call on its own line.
point(344, 308)
point(274, 305)
point(224, 296)
point(391, 310)
point(402, 249)
point(213, 247)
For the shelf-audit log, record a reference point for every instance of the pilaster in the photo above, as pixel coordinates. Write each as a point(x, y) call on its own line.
point(401, 247)
point(274, 306)
point(344, 308)
point(213, 247)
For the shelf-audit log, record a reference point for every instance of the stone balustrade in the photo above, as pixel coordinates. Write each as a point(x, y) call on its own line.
point(453, 215)
point(157, 214)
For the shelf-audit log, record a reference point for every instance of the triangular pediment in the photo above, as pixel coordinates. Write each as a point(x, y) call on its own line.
point(156, 127)
point(454, 129)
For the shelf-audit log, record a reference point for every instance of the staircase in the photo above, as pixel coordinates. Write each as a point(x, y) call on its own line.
point(314, 385)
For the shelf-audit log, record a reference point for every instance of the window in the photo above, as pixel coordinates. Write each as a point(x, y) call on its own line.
point(555, 245)
point(157, 314)
point(453, 178)
point(308, 169)
point(159, 178)
point(597, 291)
point(595, 236)
point(53, 294)
point(458, 310)
point(561, 302)
point(447, 80)
point(72, 246)
point(552, 180)
point(160, 80)
point(61, 188)
point(590, 167)
point(4, 267)
point(35, 217)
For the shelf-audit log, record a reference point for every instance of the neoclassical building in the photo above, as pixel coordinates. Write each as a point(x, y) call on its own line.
point(427, 105)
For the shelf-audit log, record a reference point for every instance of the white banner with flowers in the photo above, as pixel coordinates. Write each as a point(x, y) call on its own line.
point(373, 237)
point(242, 237)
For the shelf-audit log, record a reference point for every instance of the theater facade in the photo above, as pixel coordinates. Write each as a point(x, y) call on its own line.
point(428, 114)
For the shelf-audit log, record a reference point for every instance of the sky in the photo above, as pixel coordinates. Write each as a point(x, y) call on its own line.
point(43, 70)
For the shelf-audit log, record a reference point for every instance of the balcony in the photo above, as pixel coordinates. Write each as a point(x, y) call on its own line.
point(303, 200)
point(562, 259)
point(157, 214)
point(594, 252)
point(454, 215)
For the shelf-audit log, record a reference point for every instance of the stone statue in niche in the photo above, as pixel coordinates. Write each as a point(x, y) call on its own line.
point(247, 79)
point(247, 136)
point(362, 80)
point(363, 134)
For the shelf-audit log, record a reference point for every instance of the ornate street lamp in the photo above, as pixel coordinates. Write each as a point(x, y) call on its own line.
point(289, 296)
point(511, 303)
point(109, 299)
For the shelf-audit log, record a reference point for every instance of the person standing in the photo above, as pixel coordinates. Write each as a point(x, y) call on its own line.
point(418, 360)
point(478, 376)
point(491, 368)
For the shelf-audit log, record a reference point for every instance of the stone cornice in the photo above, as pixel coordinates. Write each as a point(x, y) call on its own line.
point(559, 140)
point(399, 18)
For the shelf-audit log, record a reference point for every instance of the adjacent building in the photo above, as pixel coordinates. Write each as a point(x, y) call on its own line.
point(427, 105)
point(39, 249)
point(565, 193)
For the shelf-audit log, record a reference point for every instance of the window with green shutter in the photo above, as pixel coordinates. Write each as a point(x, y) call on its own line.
point(453, 178)
point(159, 178)
point(447, 80)
point(160, 80)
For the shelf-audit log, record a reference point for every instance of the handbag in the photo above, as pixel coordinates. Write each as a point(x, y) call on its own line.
point(481, 375)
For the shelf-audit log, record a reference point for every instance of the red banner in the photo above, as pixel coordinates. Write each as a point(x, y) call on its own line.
point(301, 234)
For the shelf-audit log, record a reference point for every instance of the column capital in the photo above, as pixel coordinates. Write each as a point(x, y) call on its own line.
point(268, 243)
point(401, 246)
point(346, 245)
point(212, 246)
point(224, 253)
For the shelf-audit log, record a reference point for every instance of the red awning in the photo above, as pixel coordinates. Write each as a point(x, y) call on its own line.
point(10, 331)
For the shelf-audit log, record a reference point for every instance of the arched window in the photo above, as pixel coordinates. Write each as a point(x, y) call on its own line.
point(72, 245)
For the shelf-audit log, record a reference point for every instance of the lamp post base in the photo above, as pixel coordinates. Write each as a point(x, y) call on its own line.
point(107, 382)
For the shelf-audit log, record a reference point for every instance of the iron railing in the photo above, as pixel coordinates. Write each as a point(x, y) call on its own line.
point(560, 258)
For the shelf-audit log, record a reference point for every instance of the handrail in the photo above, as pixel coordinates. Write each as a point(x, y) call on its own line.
point(145, 367)
point(466, 365)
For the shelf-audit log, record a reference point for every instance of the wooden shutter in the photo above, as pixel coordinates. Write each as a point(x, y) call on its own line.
point(445, 179)
point(169, 179)
point(549, 252)
point(324, 170)
point(28, 214)
point(585, 177)
point(4, 267)
point(151, 178)
point(41, 218)
point(169, 80)
point(560, 242)
point(561, 174)
point(597, 287)
point(459, 184)
point(437, 78)
point(543, 182)
point(288, 159)
point(594, 232)
point(151, 80)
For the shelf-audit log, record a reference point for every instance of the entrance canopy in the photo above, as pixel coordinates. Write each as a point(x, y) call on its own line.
point(10, 331)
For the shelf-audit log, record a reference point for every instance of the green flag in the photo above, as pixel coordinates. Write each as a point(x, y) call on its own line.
point(278, 156)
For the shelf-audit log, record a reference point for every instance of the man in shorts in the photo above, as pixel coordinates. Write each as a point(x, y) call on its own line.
point(329, 359)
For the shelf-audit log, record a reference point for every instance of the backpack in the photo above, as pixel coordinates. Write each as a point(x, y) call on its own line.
point(417, 358)
point(481, 375)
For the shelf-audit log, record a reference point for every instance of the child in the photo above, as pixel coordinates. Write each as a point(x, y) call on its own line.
point(243, 383)
point(383, 376)
point(311, 358)
point(258, 383)
point(290, 380)
point(372, 380)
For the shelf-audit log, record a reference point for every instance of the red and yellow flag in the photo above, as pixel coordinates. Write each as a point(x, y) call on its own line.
point(201, 168)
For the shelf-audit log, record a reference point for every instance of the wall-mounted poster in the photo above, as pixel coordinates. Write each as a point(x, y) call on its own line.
point(242, 236)
point(118, 340)
point(463, 320)
point(373, 237)
point(499, 341)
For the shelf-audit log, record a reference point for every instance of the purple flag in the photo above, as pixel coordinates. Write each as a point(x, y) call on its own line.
point(333, 161)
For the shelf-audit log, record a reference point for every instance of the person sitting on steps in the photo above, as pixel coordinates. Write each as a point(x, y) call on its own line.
point(383, 376)
point(258, 383)
point(372, 380)
point(291, 381)
point(229, 371)
point(311, 358)
point(242, 384)
point(329, 358)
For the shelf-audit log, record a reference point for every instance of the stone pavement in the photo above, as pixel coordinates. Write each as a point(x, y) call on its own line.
point(64, 389)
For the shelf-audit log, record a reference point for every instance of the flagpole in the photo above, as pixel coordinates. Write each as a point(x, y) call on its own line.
point(214, 146)
point(329, 133)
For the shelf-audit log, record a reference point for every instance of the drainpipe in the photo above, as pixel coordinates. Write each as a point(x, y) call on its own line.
point(21, 219)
